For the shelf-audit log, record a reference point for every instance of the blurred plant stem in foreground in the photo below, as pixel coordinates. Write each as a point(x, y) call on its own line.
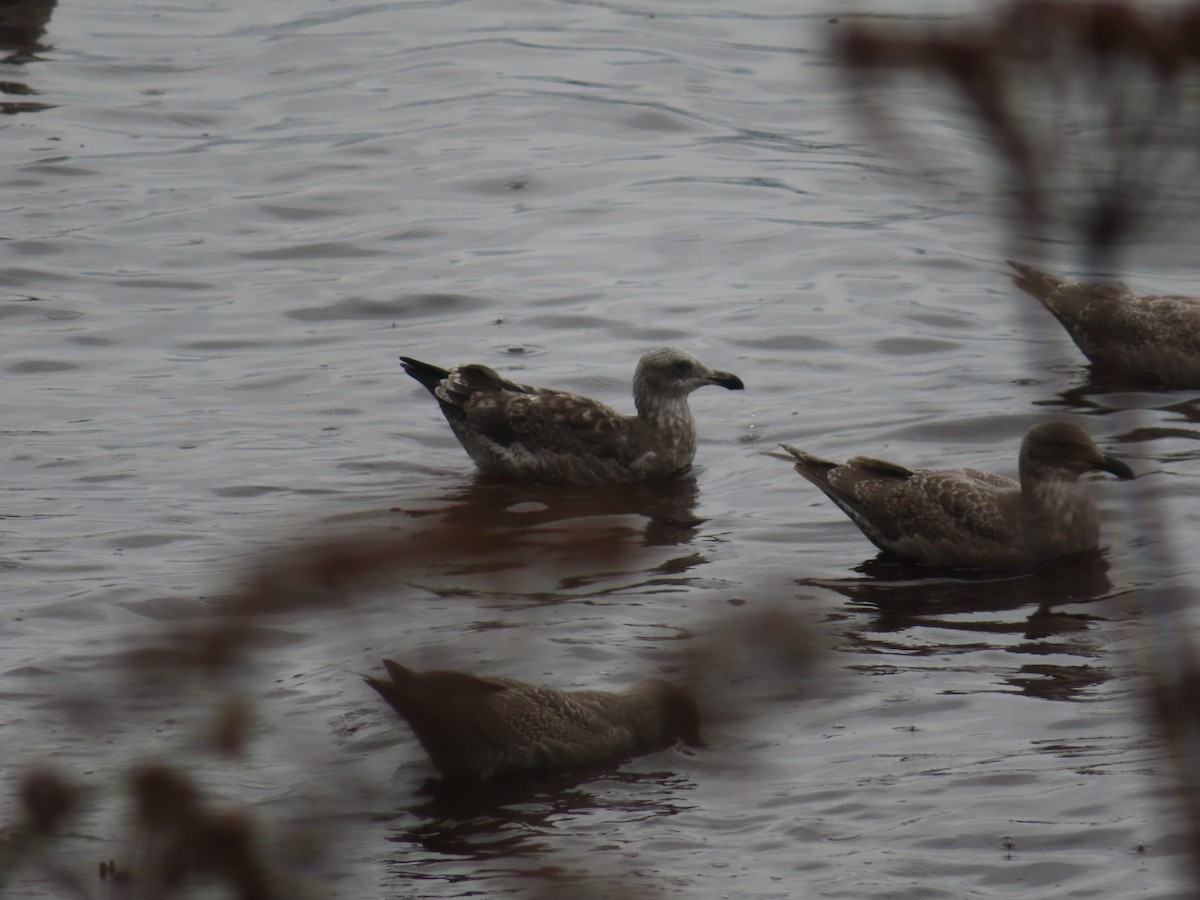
point(1089, 111)
point(181, 836)
point(1089, 108)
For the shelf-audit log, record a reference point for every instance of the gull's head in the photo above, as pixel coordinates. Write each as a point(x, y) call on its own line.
point(1063, 450)
point(670, 372)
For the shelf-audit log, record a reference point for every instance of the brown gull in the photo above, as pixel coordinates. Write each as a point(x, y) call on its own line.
point(1155, 338)
point(967, 518)
point(538, 434)
point(475, 728)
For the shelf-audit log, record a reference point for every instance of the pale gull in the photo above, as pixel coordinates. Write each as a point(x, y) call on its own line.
point(539, 434)
point(475, 728)
point(967, 518)
point(1153, 338)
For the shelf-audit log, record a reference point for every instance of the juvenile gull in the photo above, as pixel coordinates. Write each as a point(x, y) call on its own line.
point(539, 434)
point(967, 518)
point(475, 728)
point(1156, 338)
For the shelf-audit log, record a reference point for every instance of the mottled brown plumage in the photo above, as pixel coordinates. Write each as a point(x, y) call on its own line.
point(475, 728)
point(539, 434)
point(1150, 338)
point(967, 518)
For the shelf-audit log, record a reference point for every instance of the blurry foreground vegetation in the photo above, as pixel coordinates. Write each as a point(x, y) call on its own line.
point(1090, 111)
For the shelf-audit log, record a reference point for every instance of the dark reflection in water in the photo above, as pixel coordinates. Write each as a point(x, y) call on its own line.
point(507, 818)
point(22, 25)
point(545, 516)
point(905, 588)
point(668, 506)
point(901, 597)
point(1135, 395)
point(1058, 682)
point(1125, 395)
point(599, 534)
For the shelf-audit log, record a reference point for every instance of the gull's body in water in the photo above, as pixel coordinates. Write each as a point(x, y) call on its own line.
point(1152, 338)
point(475, 728)
point(964, 518)
point(538, 434)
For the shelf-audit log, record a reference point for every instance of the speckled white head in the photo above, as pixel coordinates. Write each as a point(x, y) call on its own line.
point(668, 372)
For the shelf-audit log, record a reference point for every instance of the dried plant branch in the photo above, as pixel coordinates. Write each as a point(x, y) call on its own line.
point(1090, 109)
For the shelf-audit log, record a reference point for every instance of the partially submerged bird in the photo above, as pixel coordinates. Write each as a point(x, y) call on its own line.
point(539, 434)
point(475, 728)
point(967, 518)
point(1154, 338)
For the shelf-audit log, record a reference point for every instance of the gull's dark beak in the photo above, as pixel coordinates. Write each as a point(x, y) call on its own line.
point(1115, 466)
point(726, 380)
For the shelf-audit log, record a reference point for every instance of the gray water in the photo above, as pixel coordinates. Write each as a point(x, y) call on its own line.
point(223, 222)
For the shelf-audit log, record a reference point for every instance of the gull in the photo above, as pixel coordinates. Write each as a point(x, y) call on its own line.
point(475, 728)
point(538, 434)
point(1153, 338)
point(964, 518)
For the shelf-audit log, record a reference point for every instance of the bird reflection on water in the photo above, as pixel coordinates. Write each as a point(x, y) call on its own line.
point(668, 506)
point(542, 518)
point(946, 605)
point(1087, 398)
point(22, 27)
point(505, 818)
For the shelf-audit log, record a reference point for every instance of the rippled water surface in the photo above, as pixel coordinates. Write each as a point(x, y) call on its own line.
point(223, 222)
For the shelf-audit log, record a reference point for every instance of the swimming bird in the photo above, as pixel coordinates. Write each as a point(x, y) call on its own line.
point(1154, 338)
point(537, 434)
point(971, 519)
point(475, 728)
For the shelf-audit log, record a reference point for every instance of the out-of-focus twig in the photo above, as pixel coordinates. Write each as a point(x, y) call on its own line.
point(1090, 108)
point(1091, 111)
